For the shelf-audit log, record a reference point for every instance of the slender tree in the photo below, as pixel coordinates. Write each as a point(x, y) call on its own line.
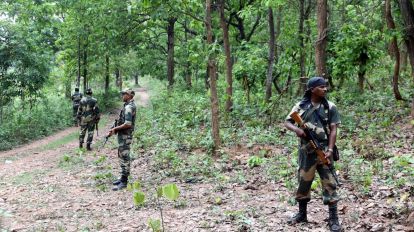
point(227, 51)
point(79, 63)
point(322, 40)
point(107, 75)
point(212, 71)
point(407, 13)
point(271, 58)
point(170, 51)
point(302, 55)
point(394, 50)
point(85, 65)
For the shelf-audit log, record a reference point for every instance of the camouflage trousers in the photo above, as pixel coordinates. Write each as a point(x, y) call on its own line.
point(90, 127)
point(306, 174)
point(124, 147)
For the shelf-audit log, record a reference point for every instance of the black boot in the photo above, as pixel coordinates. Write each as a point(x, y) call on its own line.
point(333, 222)
point(116, 182)
point(301, 215)
point(88, 147)
point(122, 184)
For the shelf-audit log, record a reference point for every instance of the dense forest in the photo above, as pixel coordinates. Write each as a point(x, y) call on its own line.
point(220, 76)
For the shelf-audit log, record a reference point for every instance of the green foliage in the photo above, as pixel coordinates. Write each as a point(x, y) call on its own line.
point(139, 198)
point(22, 122)
point(155, 225)
point(170, 191)
point(254, 161)
point(355, 43)
point(23, 64)
point(68, 161)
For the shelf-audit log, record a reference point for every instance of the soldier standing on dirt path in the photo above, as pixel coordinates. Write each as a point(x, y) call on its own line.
point(89, 116)
point(76, 98)
point(322, 117)
point(125, 128)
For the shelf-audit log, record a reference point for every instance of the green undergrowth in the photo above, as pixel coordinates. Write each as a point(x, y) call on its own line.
point(21, 123)
point(176, 126)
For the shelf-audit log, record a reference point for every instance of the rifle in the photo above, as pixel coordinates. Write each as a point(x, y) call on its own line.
point(107, 136)
point(314, 144)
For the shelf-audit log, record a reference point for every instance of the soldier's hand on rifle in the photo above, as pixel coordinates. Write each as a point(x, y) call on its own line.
point(328, 153)
point(110, 132)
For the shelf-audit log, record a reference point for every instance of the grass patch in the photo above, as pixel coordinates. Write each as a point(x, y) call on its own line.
point(59, 142)
point(68, 161)
point(26, 178)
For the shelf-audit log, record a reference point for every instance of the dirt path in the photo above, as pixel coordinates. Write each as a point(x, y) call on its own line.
point(49, 185)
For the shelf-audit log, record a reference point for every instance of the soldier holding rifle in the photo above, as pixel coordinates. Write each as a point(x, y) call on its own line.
point(124, 127)
point(318, 119)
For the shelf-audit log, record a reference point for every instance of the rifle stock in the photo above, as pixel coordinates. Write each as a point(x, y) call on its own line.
point(311, 137)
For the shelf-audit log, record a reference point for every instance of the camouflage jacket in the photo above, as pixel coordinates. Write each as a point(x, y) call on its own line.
point(311, 119)
point(76, 98)
point(127, 116)
point(88, 109)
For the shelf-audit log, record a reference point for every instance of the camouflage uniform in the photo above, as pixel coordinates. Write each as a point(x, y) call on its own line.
point(308, 160)
point(127, 116)
point(76, 98)
point(89, 113)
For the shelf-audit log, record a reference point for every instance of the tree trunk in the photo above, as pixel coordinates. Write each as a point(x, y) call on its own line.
point(121, 82)
point(79, 63)
point(85, 67)
point(229, 66)
point(301, 38)
point(212, 67)
point(403, 58)
point(394, 50)
point(107, 74)
point(277, 33)
point(207, 79)
point(407, 13)
point(118, 78)
point(322, 40)
point(361, 79)
point(136, 79)
point(170, 47)
point(187, 63)
point(271, 58)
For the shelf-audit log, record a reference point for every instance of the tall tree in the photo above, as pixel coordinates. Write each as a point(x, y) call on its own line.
point(271, 58)
point(407, 13)
point(395, 52)
point(322, 40)
point(170, 50)
point(212, 71)
point(229, 65)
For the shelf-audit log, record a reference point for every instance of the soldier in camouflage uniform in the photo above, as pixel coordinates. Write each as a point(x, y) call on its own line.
point(76, 97)
point(315, 108)
point(125, 128)
point(88, 113)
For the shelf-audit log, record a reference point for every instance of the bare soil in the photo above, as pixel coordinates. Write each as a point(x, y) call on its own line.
point(63, 189)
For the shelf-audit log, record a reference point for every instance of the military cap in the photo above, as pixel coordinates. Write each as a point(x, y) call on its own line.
point(315, 82)
point(128, 91)
point(88, 91)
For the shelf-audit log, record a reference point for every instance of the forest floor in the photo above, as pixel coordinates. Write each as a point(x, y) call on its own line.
point(51, 185)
